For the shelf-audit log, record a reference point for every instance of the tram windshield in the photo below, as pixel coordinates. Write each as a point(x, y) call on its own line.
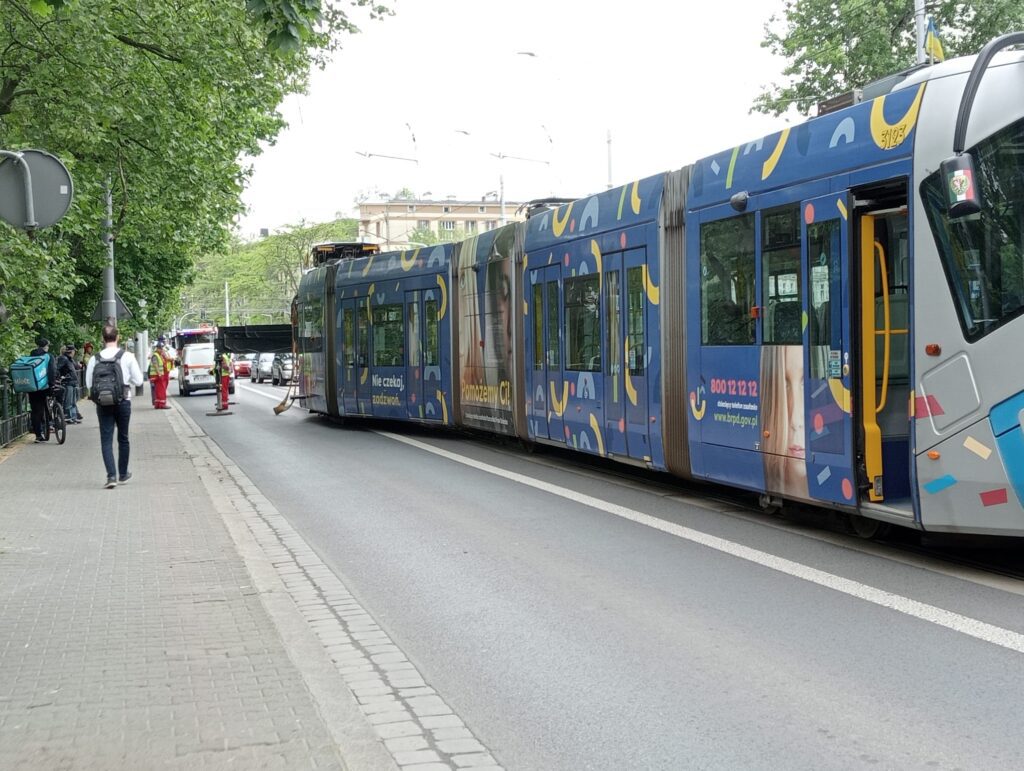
point(983, 253)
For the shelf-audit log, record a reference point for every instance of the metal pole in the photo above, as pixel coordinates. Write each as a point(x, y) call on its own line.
point(501, 192)
point(109, 301)
point(920, 24)
point(227, 306)
point(142, 357)
point(30, 209)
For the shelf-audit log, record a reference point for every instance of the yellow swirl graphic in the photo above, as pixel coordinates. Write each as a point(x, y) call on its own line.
point(526, 306)
point(558, 225)
point(444, 407)
point(630, 390)
point(369, 262)
point(653, 292)
point(597, 432)
point(363, 375)
point(732, 167)
point(889, 136)
point(408, 263)
point(773, 160)
point(697, 413)
point(840, 393)
point(634, 198)
point(444, 297)
point(842, 208)
point(622, 202)
point(559, 406)
point(596, 251)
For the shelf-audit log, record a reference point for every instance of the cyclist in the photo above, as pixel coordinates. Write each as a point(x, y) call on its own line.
point(37, 399)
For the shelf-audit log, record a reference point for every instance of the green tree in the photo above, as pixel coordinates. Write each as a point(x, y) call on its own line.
point(832, 46)
point(164, 99)
point(262, 276)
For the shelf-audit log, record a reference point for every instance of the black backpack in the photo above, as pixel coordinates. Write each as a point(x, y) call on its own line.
point(107, 381)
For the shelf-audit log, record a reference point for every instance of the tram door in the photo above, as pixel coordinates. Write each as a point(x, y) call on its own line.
point(548, 394)
point(625, 374)
point(828, 353)
point(355, 358)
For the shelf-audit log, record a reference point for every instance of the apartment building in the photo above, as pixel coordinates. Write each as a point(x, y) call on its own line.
point(391, 223)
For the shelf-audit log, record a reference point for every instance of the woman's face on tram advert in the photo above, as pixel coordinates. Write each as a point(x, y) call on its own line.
point(782, 419)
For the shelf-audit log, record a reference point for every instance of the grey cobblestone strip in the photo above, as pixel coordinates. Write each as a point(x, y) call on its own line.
point(419, 730)
point(131, 635)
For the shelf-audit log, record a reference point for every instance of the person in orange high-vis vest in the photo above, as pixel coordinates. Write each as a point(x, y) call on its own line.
point(160, 365)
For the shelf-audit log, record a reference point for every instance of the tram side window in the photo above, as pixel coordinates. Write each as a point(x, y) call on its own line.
point(613, 322)
point(583, 323)
point(388, 336)
point(347, 336)
point(635, 320)
point(780, 274)
point(413, 327)
point(312, 329)
point(538, 326)
point(553, 349)
point(727, 281)
point(432, 348)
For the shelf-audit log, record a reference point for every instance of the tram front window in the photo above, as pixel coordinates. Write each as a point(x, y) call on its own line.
point(983, 253)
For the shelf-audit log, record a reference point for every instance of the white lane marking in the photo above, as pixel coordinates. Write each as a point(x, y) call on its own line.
point(250, 389)
point(958, 623)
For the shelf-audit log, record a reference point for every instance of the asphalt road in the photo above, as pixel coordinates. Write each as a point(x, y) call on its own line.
point(576, 619)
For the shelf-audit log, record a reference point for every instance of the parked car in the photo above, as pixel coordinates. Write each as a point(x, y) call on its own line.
point(197, 370)
point(282, 370)
point(242, 365)
point(261, 366)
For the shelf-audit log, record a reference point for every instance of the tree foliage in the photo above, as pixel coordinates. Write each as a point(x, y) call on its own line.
point(262, 276)
point(164, 100)
point(832, 46)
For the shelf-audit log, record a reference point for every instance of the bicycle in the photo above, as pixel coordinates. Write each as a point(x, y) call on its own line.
point(55, 420)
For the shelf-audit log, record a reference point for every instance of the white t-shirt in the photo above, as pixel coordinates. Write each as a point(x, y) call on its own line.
point(130, 372)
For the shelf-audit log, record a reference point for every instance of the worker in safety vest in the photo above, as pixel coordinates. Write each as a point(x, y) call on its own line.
point(160, 366)
point(222, 371)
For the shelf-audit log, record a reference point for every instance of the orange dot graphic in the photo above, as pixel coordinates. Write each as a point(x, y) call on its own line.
point(622, 240)
point(809, 213)
point(819, 423)
point(848, 489)
point(622, 425)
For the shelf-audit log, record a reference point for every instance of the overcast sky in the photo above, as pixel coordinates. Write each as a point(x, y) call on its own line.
point(448, 83)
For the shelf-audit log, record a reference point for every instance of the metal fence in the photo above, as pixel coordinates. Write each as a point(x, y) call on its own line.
point(14, 412)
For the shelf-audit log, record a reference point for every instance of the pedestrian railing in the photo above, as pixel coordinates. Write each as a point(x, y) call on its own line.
point(15, 419)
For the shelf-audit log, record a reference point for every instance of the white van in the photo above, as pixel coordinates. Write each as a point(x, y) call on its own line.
point(196, 370)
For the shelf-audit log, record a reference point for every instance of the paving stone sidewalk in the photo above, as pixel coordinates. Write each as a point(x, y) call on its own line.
point(131, 635)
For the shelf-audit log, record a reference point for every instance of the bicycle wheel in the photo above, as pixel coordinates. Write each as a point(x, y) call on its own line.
point(60, 426)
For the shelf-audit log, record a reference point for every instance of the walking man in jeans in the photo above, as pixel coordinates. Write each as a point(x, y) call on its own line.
point(113, 409)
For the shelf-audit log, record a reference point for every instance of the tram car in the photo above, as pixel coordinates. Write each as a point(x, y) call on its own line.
point(830, 314)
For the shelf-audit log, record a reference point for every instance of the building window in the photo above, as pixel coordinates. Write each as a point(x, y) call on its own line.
point(481, 209)
point(446, 209)
point(423, 224)
point(448, 225)
point(410, 207)
point(492, 224)
point(470, 226)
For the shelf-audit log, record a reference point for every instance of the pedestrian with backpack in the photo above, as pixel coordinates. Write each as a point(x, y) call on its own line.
point(110, 378)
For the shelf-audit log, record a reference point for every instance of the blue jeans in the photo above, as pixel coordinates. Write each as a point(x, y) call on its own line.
point(71, 401)
point(119, 415)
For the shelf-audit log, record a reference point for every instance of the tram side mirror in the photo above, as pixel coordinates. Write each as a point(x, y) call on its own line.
point(961, 182)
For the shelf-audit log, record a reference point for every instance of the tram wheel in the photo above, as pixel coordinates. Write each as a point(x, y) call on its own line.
point(866, 528)
point(769, 503)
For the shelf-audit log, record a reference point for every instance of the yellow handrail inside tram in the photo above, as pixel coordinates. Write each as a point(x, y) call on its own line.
point(887, 329)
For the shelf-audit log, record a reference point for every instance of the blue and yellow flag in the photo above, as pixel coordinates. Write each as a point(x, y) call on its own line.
point(932, 43)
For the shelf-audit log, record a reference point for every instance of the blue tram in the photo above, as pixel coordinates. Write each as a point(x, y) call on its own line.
point(820, 315)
